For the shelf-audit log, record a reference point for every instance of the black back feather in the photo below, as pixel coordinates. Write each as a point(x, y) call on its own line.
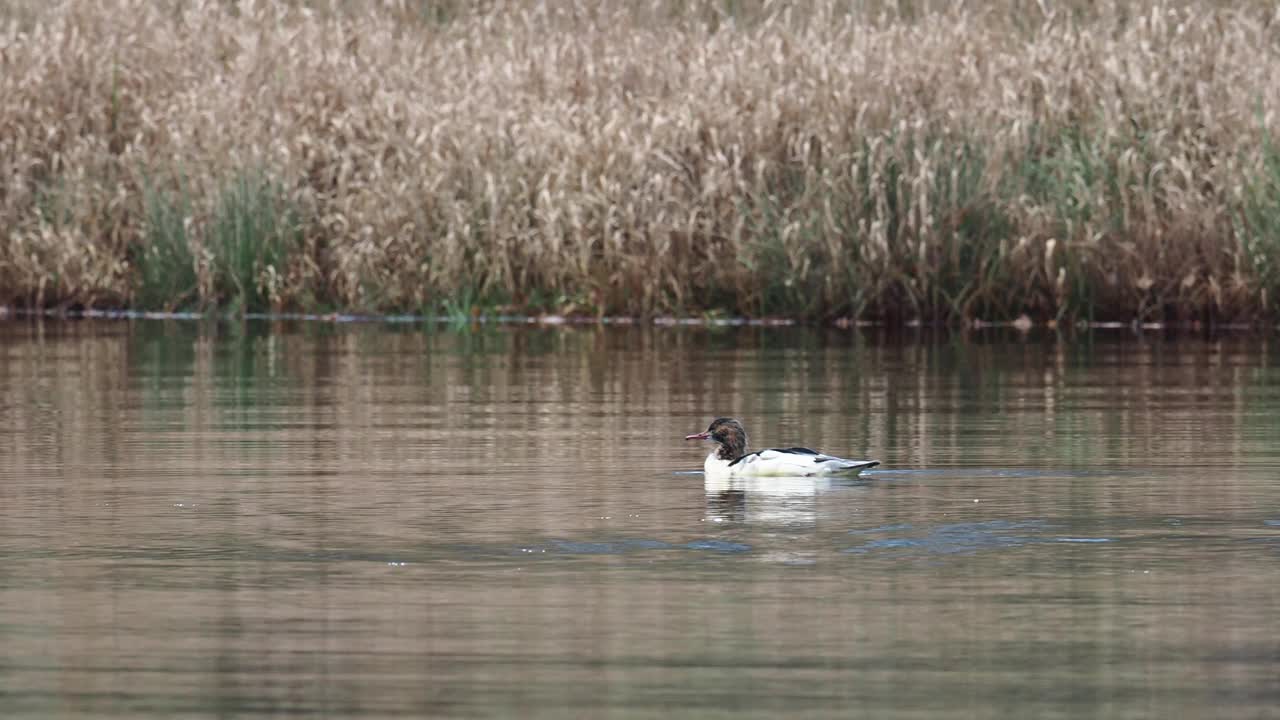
point(795, 450)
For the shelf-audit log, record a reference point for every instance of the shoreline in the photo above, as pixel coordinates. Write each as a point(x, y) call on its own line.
point(1023, 325)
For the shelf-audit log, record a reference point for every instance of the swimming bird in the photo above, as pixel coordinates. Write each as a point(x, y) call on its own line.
point(731, 459)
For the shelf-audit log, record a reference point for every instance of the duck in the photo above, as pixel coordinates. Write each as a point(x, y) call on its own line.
point(731, 459)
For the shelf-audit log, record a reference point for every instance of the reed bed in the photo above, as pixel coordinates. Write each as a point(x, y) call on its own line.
point(1069, 160)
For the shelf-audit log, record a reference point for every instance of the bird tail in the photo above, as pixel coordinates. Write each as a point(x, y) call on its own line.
point(857, 466)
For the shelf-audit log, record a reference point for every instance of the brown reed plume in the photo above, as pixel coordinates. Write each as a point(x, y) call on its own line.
point(1106, 160)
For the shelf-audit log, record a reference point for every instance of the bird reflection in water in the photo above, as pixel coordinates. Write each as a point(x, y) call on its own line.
point(727, 505)
point(768, 501)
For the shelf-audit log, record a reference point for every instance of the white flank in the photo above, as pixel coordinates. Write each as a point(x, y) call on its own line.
point(780, 463)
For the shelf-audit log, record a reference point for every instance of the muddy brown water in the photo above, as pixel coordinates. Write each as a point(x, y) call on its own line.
point(307, 520)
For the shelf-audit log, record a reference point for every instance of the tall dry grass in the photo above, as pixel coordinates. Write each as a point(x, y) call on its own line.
point(890, 160)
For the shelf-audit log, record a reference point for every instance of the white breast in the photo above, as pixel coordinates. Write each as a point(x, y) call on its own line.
point(714, 467)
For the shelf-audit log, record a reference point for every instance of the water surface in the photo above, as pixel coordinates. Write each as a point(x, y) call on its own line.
point(213, 520)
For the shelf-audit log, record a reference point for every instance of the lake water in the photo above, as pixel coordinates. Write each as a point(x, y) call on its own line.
point(316, 520)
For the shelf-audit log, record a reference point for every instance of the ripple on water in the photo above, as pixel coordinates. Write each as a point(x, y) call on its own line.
point(965, 538)
point(618, 547)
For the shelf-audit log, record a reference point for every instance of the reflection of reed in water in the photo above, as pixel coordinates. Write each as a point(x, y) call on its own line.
point(249, 401)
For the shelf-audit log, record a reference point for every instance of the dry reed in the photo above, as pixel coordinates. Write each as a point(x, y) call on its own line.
point(983, 160)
